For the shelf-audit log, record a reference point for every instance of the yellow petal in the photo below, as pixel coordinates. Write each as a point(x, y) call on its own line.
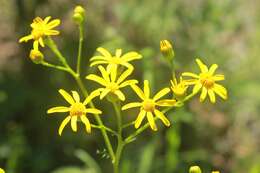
point(104, 52)
point(128, 82)
point(139, 118)
point(191, 81)
point(97, 79)
point(118, 52)
point(120, 95)
point(138, 91)
point(93, 111)
point(76, 96)
point(213, 68)
point(203, 67)
point(85, 120)
point(197, 87)
point(104, 73)
point(221, 91)
point(189, 74)
point(94, 58)
point(36, 45)
point(212, 96)
point(151, 121)
point(161, 93)
point(162, 117)
point(146, 89)
point(66, 96)
point(104, 93)
point(52, 32)
point(47, 19)
point(124, 75)
point(58, 109)
point(53, 23)
point(91, 96)
point(63, 124)
point(219, 77)
point(166, 102)
point(97, 63)
point(26, 38)
point(131, 56)
point(74, 123)
point(203, 94)
point(131, 105)
point(2, 171)
point(41, 42)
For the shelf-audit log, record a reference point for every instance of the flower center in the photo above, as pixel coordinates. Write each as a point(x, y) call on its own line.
point(77, 109)
point(37, 33)
point(148, 105)
point(113, 86)
point(207, 80)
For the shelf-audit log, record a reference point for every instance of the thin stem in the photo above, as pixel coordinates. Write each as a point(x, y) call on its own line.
point(128, 124)
point(54, 66)
point(106, 128)
point(131, 137)
point(81, 38)
point(120, 140)
point(51, 44)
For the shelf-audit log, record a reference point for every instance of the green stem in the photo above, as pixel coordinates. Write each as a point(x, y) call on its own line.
point(54, 66)
point(132, 137)
point(81, 38)
point(106, 128)
point(120, 140)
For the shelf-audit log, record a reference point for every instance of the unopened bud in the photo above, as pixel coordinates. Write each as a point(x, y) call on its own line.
point(166, 49)
point(79, 14)
point(36, 56)
point(195, 169)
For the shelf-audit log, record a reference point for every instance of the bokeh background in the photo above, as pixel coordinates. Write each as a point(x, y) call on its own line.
point(224, 136)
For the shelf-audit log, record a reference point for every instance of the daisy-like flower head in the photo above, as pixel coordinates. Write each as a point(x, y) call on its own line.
point(179, 89)
point(206, 81)
point(111, 83)
point(149, 105)
point(40, 29)
point(76, 110)
point(114, 61)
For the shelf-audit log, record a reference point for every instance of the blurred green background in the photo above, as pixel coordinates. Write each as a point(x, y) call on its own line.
point(224, 136)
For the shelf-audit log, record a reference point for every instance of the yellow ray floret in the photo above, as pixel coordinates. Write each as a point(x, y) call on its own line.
point(206, 81)
point(113, 61)
point(111, 82)
point(2, 171)
point(76, 110)
point(40, 28)
point(149, 105)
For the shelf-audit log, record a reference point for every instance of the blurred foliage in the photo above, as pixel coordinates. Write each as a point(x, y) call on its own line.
point(225, 136)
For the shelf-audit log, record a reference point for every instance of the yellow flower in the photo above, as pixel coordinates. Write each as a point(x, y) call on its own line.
point(76, 109)
point(2, 171)
point(215, 172)
point(114, 61)
point(149, 105)
point(111, 83)
point(40, 28)
point(206, 81)
point(166, 49)
point(178, 89)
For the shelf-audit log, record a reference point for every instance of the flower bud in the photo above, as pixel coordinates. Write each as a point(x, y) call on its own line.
point(179, 89)
point(36, 56)
point(79, 14)
point(166, 49)
point(195, 169)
